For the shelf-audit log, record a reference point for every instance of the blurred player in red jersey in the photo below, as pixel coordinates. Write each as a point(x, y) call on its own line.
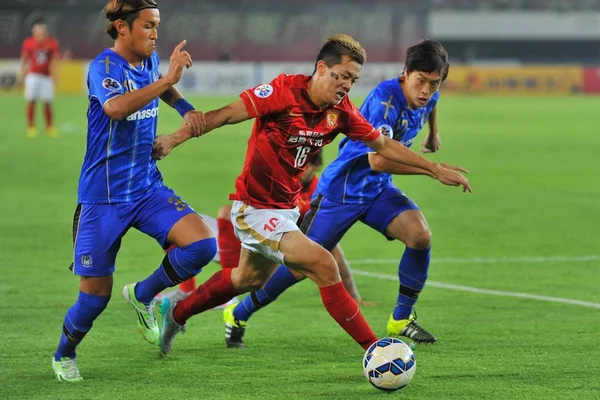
point(295, 115)
point(39, 56)
point(229, 246)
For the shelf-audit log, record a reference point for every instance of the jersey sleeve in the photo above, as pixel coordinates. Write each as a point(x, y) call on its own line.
point(105, 78)
point(26, 48)
point(358, 128)
point(379, 111)
point(267, 98)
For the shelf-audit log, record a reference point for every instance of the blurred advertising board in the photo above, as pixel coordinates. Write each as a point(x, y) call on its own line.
point(517, 80)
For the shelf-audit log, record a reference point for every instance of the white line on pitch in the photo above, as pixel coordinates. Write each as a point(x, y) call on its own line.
point(484, 291)
point(484, 260)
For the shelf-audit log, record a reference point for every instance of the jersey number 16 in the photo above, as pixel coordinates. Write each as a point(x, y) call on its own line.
point(301, 156)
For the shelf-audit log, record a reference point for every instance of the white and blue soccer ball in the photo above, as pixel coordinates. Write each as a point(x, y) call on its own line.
point(389, 364)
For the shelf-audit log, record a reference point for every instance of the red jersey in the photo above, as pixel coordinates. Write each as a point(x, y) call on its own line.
point(289, 129)
point(39, 54)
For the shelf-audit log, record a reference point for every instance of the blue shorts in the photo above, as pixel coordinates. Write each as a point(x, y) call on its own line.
point(328, 221)
point(98, 228)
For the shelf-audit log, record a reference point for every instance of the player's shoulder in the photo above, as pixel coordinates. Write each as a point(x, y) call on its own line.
point(388, 88)
point(107, 60)
point(346, 105)
point(290, 80)
point(28, 41)
point(435, 97)
point(53, 41)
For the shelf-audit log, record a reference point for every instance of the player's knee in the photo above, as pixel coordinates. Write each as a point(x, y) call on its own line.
point(224, 213)
point(202, 252)
point(188, 261)
point(255, 283)
point(325, 268)
point(94, 302)
point(419, 239)
point(248, 279)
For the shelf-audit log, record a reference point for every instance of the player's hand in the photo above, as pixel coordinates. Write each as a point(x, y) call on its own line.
point(20, 81)
point(163, 145)
point(455, 168)
point(179, 60)
point(196, 121)
point(452, 178)
point(432, 143)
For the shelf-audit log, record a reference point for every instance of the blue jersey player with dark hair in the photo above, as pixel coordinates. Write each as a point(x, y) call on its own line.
point(358, 186)
point(120, 185)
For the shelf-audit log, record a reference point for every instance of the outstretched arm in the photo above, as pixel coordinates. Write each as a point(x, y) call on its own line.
point(194, 119)
point(397, 152)
point(381, 164)
point(232, 113)
point(347, 278)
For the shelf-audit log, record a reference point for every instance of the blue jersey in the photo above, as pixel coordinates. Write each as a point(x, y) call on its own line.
point(118, 165)
point(349, 178)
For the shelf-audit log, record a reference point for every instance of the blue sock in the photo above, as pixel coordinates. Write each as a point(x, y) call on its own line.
point(180, 264)
point(412, 272)
point(78, 322)
point(281, 279)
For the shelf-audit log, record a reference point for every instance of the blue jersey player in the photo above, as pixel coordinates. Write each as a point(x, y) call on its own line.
point(120, 186)
point(357, 186)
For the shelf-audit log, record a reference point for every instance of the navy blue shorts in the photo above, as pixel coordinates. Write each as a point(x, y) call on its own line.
point(99, 228)
point(328, 221)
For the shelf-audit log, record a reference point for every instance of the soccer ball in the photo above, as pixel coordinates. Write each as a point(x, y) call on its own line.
point(389, 364)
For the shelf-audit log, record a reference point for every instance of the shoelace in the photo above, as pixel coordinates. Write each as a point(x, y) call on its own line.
point(70, 368)
point(150, 311)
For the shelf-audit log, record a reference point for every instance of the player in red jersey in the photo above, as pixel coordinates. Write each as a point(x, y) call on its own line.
point(39, 56)
point(295, 115)
point(229, 246)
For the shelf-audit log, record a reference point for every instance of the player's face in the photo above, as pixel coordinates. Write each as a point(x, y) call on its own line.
point(337, 80)
point(39, 31)
point(420, 86)
point(143, 35)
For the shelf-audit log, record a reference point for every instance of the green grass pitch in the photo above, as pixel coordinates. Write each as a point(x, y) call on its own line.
point(535, 173)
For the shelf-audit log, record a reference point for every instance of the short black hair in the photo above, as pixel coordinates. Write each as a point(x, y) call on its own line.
point(427, 56)
point(39, 21)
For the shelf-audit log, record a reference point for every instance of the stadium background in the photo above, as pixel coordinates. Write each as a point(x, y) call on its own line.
point(514, 293)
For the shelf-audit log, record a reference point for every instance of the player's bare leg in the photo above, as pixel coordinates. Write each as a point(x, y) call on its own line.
point(317, 264)
point(253, 271)
point(30, 113)
point(410, 227)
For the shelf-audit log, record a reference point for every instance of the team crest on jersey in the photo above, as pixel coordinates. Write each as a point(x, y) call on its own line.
point(263, 91)
point(111, 84)
point(332, 119)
